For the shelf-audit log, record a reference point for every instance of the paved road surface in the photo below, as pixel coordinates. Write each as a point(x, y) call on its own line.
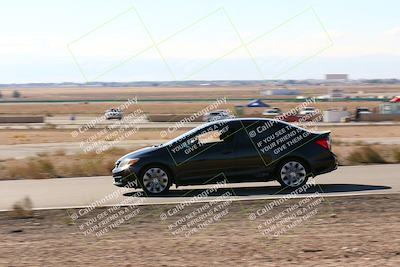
point(78, 192)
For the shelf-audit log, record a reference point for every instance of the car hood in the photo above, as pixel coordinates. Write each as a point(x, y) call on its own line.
point(139, 153)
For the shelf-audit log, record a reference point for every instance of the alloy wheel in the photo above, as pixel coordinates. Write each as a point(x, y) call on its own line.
point(293, 174)
point(155, 180)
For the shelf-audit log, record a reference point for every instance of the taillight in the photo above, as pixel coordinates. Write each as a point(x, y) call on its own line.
point(324, 142)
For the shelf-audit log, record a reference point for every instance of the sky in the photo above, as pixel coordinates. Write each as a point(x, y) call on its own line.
point(177, 40)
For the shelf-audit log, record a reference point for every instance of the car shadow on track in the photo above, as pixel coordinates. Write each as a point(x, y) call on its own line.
point(271, 190)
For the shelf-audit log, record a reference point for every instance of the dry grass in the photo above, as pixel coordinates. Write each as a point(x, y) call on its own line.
point(59, 152)
point(34, 136)
point(34, 167)
point(396, 154)
point(365, 155)
point(22, 209)
point(60, 165)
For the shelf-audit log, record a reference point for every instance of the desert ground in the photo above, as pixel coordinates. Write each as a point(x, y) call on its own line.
point(202, 92)
point(345, 231)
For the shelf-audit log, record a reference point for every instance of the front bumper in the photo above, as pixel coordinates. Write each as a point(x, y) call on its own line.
point(124, 178)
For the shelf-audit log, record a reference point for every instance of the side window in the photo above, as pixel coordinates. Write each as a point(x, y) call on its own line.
point(216, 133)
point(210, 137)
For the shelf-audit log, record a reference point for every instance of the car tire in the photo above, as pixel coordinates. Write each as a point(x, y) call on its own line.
point(155, 180)
point(292, 173)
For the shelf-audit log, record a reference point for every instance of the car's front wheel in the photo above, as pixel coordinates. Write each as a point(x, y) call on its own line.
point(292, 173)
point(155, 180)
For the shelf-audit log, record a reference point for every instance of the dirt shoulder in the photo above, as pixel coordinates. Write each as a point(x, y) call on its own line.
point(345, 231)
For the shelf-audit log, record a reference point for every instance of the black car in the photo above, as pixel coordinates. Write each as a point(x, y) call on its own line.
point(233, 150)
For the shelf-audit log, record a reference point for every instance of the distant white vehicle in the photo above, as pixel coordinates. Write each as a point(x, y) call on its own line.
point(363, 110)
point(218, 115)
point(307, 110)
point(324, 97)
point(114, 113)
point(272, 112)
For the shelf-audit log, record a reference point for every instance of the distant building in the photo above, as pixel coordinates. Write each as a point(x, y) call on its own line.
point(337, 77)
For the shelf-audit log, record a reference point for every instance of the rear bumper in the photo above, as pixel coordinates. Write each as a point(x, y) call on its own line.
point(325, 165)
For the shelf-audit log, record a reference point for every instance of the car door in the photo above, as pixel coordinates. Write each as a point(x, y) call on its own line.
point(210, 155)
point(246, 163)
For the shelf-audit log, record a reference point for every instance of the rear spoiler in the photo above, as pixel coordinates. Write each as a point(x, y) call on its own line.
point(322, 133)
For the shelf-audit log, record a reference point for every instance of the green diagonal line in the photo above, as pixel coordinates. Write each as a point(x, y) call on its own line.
point(196, 154)
point(154, 43)
point(302, 61)
point(176, 33)
point(278, 26)
point(77, 64)
point(212, 62)
point(313, 55)
point(189, 26)
point(243, 44)
point(103, 24)
point(246, 44)
point(142, 51)
point(123, 62)
point(284, 155)
point(322, 25)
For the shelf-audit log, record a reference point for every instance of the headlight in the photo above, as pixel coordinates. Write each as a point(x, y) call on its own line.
point(126, 163)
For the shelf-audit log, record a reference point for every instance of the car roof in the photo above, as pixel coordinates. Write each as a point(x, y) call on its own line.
point(218, 110)
point(253, 120)
point(243, 120)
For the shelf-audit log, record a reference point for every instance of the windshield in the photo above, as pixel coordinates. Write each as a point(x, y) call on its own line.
point(185, 135)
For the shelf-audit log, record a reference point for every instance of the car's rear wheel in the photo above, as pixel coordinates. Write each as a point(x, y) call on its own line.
point(292, 173)
point(155, 180)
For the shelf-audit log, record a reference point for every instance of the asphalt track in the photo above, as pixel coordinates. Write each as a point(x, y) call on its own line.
point(84, 191)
